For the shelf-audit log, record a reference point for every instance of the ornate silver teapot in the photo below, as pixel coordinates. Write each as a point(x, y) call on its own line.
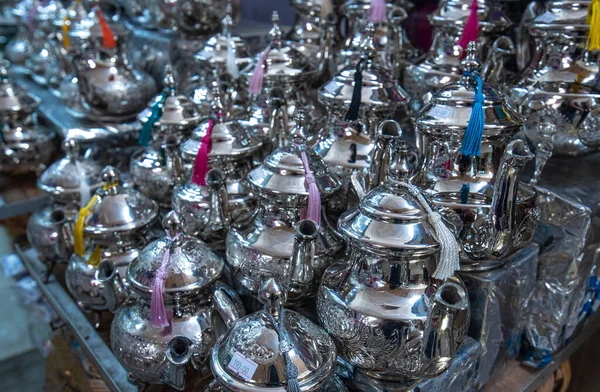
point(25, 145)
point(69, 182)
point(111, 89)
point(265, 247)
point(274, 349)
point(209, 202)
point(392, 304)
point(495, 215)
point(558, 92)
point(158, 168)
point(441, 65)
point(164, 331)
point(115, 225)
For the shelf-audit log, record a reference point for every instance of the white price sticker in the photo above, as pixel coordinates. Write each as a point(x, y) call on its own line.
point(243, 366)
point(441, 112)
point(331, 87)
point(547, 17)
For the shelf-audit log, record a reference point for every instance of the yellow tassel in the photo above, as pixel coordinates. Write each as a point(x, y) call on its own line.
point(593, 19)
point(66, 26)
point(95, 257)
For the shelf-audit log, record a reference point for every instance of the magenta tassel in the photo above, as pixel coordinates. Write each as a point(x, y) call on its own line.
point(258, 75)
point(471, 30)
point(201, 163)
point(378, 9)
point(158, 313)
point(314, 196)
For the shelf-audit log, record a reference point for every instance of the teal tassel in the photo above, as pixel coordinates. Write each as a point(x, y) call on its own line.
point(471, 143)
point(155, 115)
point(464, 193)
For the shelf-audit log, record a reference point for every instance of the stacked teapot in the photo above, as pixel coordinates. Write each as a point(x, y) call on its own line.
point(25, 145)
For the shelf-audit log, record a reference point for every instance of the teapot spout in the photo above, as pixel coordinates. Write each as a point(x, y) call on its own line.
point(115, 292)
point(179, 354)
point(64, 232)
point(219, 217)
point(387, 131)
point(450, 308)
point(504, 202)
point(493, 68)
point(303, 257)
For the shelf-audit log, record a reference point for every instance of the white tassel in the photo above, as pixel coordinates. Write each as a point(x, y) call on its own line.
point(84, 187)
point(326, 8)
point(232, 66)
point(449, 252)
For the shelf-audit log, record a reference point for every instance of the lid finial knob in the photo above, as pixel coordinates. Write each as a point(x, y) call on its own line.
point(71, 148)
point(172, 223)
point(110, 175)
point(272, 295)
point(275, 33)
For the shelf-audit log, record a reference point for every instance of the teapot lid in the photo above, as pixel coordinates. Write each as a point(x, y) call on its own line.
point(193, 265)
point(256, 341)
point(118, 209)
point(283, 61)
point(456, 13)
point(63, 179)
point(451, 106)
point(177, 110)
point(12, 97)
point(562, 14)
point(379, 90)
point(229, 138)
point(282, 172)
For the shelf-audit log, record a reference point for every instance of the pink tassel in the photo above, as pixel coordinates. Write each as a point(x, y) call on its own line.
point(314, 196)
point(258, 75)
point(158, 314)
point(471, 30)
point(378, 8)
point(201, 163)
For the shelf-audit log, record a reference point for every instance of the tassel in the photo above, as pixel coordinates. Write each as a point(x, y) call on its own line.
point(232, 67)
point(314, 196)
point(158, 313)
point(201, 162)
point(78, 244)
point(285, 346)
point(66, 26)
point(352, 113)
point(464, 193)
point(378, 8)
point(155, 115)
point(593, 19)
point(449, 252)
point(84, 187)
point(471, 29)
point(95, 257)
point(326, 8)
point(471, 143)
point(258, 75)
point(108, 38)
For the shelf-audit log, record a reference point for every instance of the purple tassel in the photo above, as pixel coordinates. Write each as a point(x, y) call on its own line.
point(314, 196)
point(378, 8)
point(158, 313)
point(258, 75)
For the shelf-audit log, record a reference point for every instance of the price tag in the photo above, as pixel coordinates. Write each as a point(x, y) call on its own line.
point(243, 366)
point(441, 112)
point(331, 87)
point(547, 17)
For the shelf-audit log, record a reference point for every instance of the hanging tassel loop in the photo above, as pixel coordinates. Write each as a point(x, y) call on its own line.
point(352, 113)
point(471, 30)
point(314, 196)
point(108, 38)
point(155, 114)
point(258, 76)
point(158, 312)
point(471, 143)
point(449, 260)
point(201, 162)
point(593, 19)
point(378, 11)
point(285, 346)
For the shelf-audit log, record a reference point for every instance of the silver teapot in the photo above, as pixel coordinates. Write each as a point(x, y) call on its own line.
point(158, 168)
point(115, 225)
point(178, 275)
point(558, 91)
point(441, 65)
point(198, 18)
point(265, 247)
point(19, 47)
point(392, 304)
point(274, 349)
point(111, 89)
point(25, 145)
point(69, 182)
point(224, 198)
point(495, 215)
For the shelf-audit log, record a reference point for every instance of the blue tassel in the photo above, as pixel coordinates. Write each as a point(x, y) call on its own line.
point(471, 143)
point(464, 193)
point(155, 115)
point(352, 114)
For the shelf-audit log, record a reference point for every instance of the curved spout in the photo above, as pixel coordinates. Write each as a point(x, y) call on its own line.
point(179, 354)
point(64, 231)
point(174, 162)
point(326, 62)
point(228, 304)
point(302, 260)
point(504, 201)
point(397, 16)
point(493, 68)
point(387, 131)
point(219, 218)
point(115, 292)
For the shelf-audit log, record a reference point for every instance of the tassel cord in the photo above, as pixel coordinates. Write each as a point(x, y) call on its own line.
point(314, 196)
point(285, 346)
point(256, 82)
point(471, 143)
point(155, 114)
point(231, 64)
point(378, 11)
point(471, 30)
point(593, 19)
point(108, 38)
point(352, 113)
point(158, 312)
point(201, 162)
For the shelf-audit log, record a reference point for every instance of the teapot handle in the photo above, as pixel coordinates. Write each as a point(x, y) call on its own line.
point(228, 304)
